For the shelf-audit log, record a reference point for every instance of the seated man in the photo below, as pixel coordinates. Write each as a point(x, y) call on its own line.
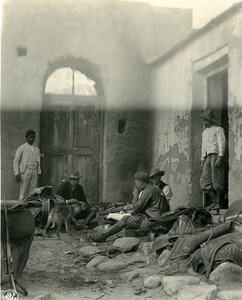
point(155, 178)
point(148, 205)
point(73, 192)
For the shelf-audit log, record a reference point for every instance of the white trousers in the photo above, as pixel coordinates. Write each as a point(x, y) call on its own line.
point(28, 183)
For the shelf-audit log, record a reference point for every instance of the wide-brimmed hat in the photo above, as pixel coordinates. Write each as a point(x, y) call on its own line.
point(143, 176)
point(156, 171)
point(208, 115)
point(74, 175)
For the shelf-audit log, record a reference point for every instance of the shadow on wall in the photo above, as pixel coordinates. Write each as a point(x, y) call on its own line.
point(141, 163)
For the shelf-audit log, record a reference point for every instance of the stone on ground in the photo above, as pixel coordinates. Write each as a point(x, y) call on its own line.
point(198, 292)
point(137, 258)
point(163, 257)
point(88, 250)
point(137, 273)
point(126, 243)
point(230, 295)
point(152, 282)
point(173, 283)
point(227, 273)
point(43, 297)
point(112, 265)
point(96, 261)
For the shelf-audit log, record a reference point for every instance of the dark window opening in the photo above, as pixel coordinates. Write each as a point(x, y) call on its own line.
point(121, 126)
point(21, 51)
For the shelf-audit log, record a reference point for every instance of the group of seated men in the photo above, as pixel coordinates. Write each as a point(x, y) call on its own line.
point(151, 198)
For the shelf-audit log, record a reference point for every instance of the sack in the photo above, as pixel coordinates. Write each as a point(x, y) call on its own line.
point(21, 223)
point(199, 216)
point(187, 244)
point(40, 204)
point(226, 248)
point(184, 225)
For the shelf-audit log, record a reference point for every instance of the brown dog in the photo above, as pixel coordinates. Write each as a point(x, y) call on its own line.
point(65, 213)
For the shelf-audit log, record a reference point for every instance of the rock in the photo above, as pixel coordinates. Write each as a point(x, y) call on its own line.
point(230, 295)
point(112, 265)
point(132, 275)
point(139, 272)
point(75, 271)
point(126, 243)
point(43, 297)
point(227, 273)
point(139, 290)
point(69, 252)
point(137, 258)
point(110, 283)
point(89, 250)
point(152, 282)
point(163, 257)
point(96, 261)
point(198, 292)
point(171, 284)
point(146, 248)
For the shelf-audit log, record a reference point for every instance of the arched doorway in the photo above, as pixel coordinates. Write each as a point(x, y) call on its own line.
point(71, 131)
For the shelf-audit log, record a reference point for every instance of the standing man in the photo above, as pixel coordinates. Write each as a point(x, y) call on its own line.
point(213, 148)
point(155, 178)
point(148, 204)
point(26, 165)
point(73, 192)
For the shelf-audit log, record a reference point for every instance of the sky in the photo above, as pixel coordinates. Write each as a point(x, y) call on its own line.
point(203, 10)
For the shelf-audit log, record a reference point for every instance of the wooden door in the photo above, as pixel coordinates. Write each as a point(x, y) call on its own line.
point(69, 140)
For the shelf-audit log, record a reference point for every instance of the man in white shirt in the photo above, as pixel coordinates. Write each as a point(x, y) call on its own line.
point(213, 148)
point(26, 165)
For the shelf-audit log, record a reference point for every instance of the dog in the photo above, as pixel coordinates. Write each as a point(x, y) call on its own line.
point(66, 213)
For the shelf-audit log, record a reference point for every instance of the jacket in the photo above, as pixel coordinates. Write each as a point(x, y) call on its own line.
point(151, 203)
point(213, 141)
point(65, 191)
point(21, 159)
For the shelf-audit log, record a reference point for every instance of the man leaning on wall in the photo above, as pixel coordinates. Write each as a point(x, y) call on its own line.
point(26, 165)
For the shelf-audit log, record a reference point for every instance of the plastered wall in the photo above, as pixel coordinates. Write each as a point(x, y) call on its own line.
point(110, 42)
point(178, 94)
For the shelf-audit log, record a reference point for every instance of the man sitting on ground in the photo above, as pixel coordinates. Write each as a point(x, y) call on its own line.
point(148, 205)
point(155, 178)
point(73, 192)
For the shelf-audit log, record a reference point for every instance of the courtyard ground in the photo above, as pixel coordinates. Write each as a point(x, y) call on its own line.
point(59, 270)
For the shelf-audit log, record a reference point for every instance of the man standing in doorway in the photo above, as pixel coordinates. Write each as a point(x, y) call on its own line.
point(213, 148)
point(26, 165)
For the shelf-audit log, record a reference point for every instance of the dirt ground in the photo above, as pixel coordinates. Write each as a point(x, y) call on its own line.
point(55, 267)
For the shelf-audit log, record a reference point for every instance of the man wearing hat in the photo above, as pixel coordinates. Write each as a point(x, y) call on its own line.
point(213, 148)
point(148, 206)
point(72, 192)
point(26, 166)
point(155, 178)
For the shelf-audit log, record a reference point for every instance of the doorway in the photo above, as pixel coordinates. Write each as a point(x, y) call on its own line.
point(217, 100)
point(71, 132)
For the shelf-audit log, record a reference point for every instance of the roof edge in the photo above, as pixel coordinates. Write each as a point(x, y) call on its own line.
point(158, 59)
